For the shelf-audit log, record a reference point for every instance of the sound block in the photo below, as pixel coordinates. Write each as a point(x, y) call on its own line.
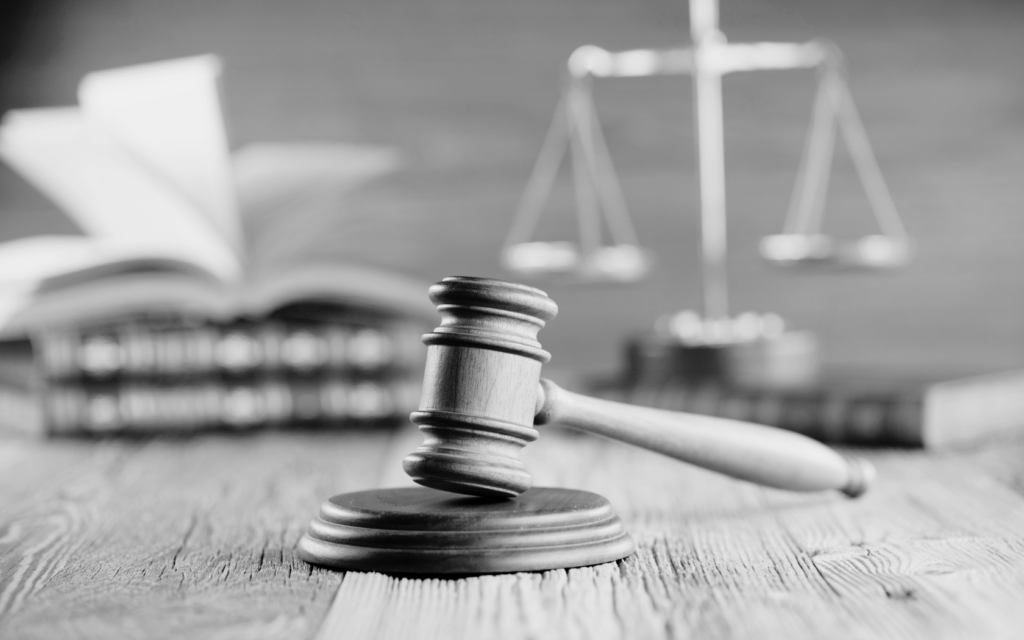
point(423, 531)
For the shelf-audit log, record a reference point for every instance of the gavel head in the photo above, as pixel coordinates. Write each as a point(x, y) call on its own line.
point(480, 388)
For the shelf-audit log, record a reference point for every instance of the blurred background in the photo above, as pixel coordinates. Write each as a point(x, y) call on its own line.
point(467, 89)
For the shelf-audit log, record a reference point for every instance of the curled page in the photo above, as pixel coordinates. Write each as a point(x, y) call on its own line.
point(167, 116)
point(110, 195)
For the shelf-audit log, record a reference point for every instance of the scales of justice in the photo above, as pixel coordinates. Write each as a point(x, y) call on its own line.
point(484, 399)
point(754, 348)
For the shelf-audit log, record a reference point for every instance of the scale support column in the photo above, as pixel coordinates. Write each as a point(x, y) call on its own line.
point(707, 96)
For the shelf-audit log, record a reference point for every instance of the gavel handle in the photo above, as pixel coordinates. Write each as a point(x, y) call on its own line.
point(757, 453)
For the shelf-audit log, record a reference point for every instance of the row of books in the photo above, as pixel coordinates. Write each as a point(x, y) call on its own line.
point(149, 374)
point(144, 349)
point(779, 382)
point(844, 409)
point(191, 406)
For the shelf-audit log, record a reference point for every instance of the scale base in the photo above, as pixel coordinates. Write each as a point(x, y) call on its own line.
point(786, 361)
point(421, 531)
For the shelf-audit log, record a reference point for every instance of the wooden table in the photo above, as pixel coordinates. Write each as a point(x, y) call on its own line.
point(195, 537)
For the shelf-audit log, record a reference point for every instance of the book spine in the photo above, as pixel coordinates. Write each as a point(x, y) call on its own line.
point(20, 411)
point(132, 352)
point(141, 407)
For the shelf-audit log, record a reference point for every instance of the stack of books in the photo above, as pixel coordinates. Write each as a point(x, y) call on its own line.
point(160, 375)
point(210, 288)
point(852, 406)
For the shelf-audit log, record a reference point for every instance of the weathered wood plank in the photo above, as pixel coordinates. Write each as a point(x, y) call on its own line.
point(937, 551)
point(172, 538)
point(196, 537)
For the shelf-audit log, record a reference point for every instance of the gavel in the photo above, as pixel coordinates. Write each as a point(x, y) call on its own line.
point(483, 396)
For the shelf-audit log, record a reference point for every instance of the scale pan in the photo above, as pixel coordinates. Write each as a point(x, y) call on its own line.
point(869, 252)
point(541, 258)
point(613, 263)
point(618, 263)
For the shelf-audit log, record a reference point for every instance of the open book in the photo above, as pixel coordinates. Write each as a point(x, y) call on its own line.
point(175, 222)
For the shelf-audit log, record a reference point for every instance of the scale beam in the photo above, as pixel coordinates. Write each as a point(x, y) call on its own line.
point(576, 131)
point(720, 58)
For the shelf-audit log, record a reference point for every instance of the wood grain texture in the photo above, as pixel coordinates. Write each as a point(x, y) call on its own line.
point(935, 552)
point(196, 538)
point(190, 538)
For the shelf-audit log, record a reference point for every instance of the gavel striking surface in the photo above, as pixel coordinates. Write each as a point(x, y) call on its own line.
point(418, 530)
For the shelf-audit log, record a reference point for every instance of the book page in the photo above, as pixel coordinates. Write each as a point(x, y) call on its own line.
point(354, 286)
point(167, 116)
point(32, 262)
point(293, 197)
point(305, 239)
point(62, 279)
point(107, 193)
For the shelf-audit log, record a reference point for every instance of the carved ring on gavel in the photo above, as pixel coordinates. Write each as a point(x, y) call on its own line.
point(483, 395)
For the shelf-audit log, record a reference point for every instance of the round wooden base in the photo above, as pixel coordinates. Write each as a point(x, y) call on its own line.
point(428, 532)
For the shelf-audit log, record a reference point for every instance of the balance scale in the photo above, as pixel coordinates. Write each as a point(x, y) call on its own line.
point(599, 198)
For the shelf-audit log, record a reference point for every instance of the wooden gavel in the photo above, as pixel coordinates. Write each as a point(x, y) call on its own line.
point(483, 394)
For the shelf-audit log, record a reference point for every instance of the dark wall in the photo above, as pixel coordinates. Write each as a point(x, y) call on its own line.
point(468, 88)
